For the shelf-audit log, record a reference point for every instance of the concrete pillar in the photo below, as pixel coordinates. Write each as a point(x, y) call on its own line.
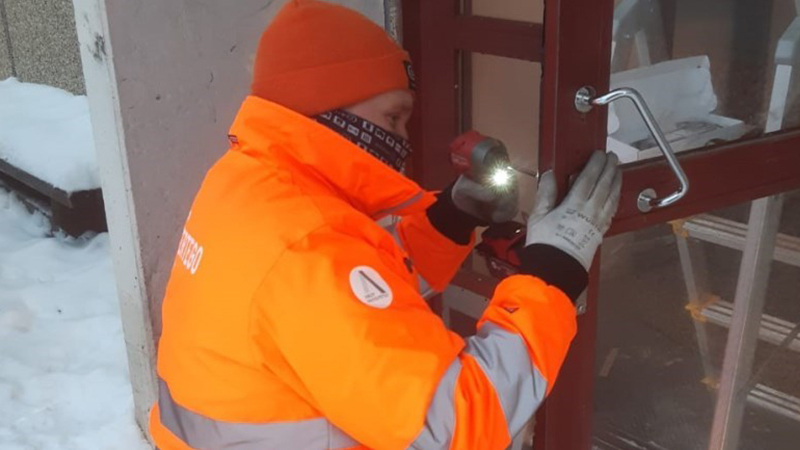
point(164, 81)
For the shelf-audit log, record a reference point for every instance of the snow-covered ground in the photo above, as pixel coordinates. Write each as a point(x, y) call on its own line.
point(63, 373)
point(47, 132)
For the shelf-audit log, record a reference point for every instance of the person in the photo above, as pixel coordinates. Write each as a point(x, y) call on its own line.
point(294, 320)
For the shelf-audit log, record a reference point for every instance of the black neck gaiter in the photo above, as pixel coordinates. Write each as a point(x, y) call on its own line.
point(388, 147)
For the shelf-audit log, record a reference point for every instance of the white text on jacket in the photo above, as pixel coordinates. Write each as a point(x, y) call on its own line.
point(190, 252)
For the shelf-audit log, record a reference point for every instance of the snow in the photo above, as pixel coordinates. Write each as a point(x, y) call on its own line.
point(63, 373)
point(47, 132)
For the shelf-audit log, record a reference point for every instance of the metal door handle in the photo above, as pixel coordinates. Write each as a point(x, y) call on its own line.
point(585, 100)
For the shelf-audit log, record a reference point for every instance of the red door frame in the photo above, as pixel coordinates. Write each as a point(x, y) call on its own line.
point(574, 46)
point(577, 53)
point(433, 33)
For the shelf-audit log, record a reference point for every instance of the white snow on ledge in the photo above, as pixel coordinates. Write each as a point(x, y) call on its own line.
point(47, 132)
point(64, 380)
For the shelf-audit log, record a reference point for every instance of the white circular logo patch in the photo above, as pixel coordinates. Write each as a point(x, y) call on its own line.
point(370, 287)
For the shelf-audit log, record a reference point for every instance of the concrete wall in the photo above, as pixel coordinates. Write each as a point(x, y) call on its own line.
point(6, 64)
point(183, 69)
point(164, 80)
point(38, 43)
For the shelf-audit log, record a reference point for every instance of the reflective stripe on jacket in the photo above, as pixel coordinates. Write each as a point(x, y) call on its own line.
point(293, 320)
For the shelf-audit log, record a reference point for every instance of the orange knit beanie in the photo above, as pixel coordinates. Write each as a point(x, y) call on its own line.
point(317, 56)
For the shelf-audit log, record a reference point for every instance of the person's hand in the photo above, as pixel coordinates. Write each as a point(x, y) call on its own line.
point(488, 204)
point(578, 224)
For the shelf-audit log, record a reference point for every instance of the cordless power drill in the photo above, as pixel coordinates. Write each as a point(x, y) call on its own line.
point(485, 160)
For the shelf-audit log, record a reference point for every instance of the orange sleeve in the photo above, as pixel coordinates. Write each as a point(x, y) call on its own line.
point(506, 370)
point(436, 257)
point(542, 314)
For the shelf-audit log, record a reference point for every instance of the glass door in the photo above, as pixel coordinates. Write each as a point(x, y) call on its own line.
point(717, 80)
point(696, 345)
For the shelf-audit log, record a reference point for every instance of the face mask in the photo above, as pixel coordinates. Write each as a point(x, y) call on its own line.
point(388, 147)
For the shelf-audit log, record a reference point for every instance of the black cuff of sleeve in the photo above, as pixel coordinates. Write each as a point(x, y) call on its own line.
point(554, 267)
point(450, 221)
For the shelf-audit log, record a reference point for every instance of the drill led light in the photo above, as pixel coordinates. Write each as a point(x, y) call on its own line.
point(500, 177)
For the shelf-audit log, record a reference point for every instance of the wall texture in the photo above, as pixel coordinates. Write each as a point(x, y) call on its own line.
point(164, 80)
point(6, 64)
point(40, 35)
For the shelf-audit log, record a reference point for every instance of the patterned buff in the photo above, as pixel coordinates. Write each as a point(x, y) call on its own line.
point(390, 148)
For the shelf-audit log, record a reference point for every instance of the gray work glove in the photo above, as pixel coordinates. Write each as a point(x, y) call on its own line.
point(488, 204)
point(578, 224)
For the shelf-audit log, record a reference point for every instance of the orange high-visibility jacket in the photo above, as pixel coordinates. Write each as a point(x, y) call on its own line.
point(292, 320)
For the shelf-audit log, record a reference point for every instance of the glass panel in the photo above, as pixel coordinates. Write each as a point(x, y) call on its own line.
point(523, 10)
point(503, 102)
point(664, 316)
point(711, 71)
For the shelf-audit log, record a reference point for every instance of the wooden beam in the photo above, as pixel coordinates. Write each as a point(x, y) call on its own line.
point(35, 183)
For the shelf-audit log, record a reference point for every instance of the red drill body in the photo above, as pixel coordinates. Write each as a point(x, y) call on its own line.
point(477, 156)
